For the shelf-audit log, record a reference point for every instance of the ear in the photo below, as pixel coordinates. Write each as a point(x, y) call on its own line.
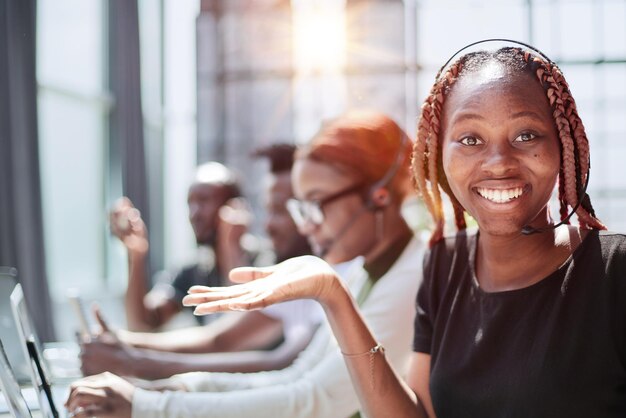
point(380, 198)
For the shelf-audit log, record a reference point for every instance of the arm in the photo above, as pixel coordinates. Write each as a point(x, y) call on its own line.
point(107, 353)
point(233, 221)
point(376, 382)
point(149, 364)
point(308, 277)
point(234, 332)
point(127, 225)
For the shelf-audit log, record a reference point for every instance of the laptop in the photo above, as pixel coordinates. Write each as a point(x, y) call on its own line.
point(15, 402)
point(50, 399)
point(12, 344)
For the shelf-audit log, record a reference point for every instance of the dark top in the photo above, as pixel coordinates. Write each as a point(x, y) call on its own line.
point(177, 285)
point(194, 275)
point(556, 348)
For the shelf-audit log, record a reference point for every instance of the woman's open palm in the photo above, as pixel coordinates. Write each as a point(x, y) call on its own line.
point(305, 277)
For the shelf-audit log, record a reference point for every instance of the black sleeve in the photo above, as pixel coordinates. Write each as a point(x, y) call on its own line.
point(423, 325)
point(183, 280)
point(615, 253)
point(439, 263)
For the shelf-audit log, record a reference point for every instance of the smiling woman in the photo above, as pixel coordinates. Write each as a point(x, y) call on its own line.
point(544, 124)
point(499, 308)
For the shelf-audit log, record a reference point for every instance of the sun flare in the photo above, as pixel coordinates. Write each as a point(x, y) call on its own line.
point(319, 36)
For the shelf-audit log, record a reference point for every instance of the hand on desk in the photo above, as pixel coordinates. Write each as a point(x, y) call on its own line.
point(104, 395)
point(104, 351)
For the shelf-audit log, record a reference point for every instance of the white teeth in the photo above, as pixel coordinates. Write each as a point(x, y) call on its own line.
point(500, 196)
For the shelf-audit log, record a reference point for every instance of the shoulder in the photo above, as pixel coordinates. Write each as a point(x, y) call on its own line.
point(612, 246)
point(407, 269)
point(599, 263)
point(613, 242)
point(448, 263)
point(451, 249)
point(605, 246)
point(186, 271)
point(412, 253)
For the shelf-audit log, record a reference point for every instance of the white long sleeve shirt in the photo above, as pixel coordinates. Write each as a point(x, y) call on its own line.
point(317, 384)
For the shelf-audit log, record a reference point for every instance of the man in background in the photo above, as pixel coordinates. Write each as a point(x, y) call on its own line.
point(214, 188)
point(242, 342)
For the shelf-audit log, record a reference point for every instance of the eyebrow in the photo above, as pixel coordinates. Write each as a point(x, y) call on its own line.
point(526, 114)
point(475, 116)
point(467, 116)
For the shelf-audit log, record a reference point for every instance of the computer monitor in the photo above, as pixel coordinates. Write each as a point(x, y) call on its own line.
point(41, 382)
point(33, 351)
point(15, 402)
point(8, 330)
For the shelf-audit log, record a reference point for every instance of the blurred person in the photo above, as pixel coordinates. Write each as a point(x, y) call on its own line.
point(212, 200)
point(246, 342)
point(350, 183)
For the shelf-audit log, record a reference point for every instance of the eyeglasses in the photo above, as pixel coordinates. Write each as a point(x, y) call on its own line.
point(303, 211)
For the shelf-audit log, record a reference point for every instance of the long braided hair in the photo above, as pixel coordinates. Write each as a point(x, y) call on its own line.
point(426, 163)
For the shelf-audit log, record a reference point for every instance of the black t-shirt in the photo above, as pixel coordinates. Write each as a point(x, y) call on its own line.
point(194, 275)
point(554, 349)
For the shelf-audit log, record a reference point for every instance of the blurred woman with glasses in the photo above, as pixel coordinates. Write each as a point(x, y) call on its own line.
point(350, 182)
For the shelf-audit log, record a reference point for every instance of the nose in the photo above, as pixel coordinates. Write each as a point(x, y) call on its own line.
point(500, 159)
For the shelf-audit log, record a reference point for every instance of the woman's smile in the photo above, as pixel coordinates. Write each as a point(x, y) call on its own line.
point(500, 196)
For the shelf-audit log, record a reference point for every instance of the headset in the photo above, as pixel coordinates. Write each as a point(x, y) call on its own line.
point(582, 192)
point(484, 41)
point(378, 195)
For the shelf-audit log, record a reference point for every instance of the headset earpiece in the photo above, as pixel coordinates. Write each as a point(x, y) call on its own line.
point(380, 198)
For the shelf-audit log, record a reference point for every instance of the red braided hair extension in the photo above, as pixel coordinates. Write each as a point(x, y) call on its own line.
point(574, 143)
point(426, 160)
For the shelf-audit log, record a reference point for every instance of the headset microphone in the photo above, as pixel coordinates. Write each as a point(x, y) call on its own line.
point(529, 230)
point(341, 232)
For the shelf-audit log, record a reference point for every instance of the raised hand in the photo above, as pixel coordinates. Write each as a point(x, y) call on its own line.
point(126, 224)
point(305, 277)
point(233, 221)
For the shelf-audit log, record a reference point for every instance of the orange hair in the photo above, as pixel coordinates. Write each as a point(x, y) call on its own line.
point(365, 146)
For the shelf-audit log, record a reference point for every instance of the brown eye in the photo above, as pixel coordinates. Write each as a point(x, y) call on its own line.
point(470, 141)
point(525, 137)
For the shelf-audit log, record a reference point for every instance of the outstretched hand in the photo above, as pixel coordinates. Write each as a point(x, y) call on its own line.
point(305, 277)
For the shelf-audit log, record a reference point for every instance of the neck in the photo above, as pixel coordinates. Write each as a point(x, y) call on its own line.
point(394, 229)
point(517, 261)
